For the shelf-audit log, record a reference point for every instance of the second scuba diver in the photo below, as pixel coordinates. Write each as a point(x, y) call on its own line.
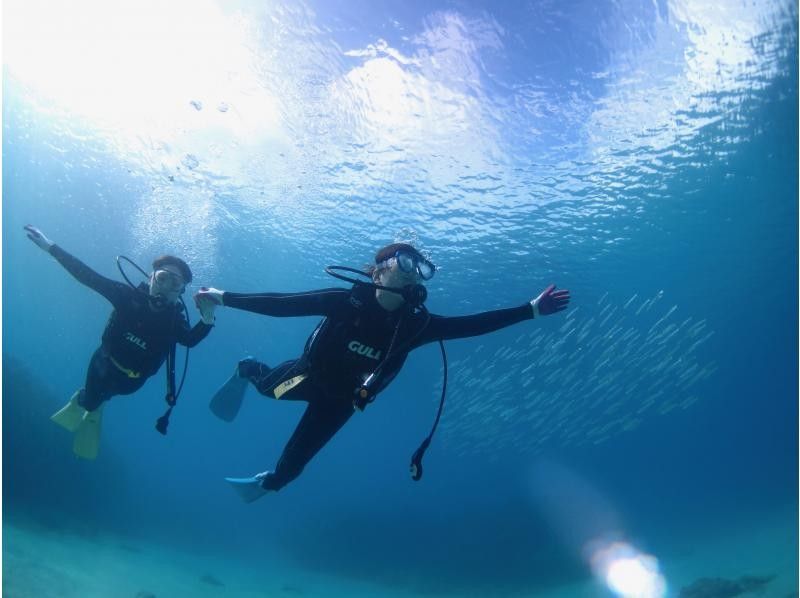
point(358, 348)
point(140, 335)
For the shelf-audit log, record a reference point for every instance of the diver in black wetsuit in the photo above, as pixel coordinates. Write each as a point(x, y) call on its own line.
point(365, 330)
point(141, 331)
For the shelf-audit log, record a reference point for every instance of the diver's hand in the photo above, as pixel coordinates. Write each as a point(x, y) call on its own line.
point(550, 301)
point(37, 236)
point(207, 299)
point(208, 294)
point(206, 308)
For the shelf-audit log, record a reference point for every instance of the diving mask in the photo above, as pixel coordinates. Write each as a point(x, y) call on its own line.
point(168, 281)
point(409, 262)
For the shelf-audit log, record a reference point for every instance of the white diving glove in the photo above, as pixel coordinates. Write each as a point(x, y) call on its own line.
point(207, 299)
point(37, 236)
point(206, 307)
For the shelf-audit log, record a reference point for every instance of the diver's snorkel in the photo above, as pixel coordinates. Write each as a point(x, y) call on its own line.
point(159, 302)
point(415, 295)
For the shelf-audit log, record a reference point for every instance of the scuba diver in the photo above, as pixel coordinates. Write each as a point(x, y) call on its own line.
point(355, 352)
point(140, 335)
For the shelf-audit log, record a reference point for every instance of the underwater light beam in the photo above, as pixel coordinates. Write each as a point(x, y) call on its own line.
point(627, 572)
point(589, 527)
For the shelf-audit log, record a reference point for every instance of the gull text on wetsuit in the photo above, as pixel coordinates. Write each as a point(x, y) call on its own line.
point(357, 347)
point(135, 340)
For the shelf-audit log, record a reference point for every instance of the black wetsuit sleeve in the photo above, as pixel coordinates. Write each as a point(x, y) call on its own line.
point(446, 328)
point(115, 292)
point(189, 337)
point(323, 302)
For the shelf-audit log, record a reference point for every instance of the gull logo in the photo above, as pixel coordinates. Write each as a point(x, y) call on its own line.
point(364, 350)
point(136, 340)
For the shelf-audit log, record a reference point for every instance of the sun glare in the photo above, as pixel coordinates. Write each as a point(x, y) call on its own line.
point(137, 67)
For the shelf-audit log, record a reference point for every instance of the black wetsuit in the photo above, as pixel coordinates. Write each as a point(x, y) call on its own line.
point(137, 337)
point(346, 347)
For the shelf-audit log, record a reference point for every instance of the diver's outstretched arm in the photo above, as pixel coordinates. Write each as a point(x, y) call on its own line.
point(322, 302)
point(549, 301)
point(114, 291)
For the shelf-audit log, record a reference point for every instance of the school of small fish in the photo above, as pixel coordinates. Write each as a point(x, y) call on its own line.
point(603, 372)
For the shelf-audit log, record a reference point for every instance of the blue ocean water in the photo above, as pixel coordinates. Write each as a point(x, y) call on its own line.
point(643, 155)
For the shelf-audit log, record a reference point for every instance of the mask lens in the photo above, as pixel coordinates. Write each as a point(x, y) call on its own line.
point(425, 269)
point(406, 262)
point(169, 280)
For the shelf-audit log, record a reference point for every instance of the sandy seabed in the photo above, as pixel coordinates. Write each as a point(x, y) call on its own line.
point(43, 563)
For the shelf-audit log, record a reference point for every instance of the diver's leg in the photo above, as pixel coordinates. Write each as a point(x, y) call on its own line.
point(86, 442)
point(104, 380)
point(98, 382)
point(73, 413)
point(265, 379)
point(227, 401)
point(318, 425)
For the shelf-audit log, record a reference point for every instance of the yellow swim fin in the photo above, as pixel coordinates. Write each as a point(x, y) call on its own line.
point(70, 415)
point(87, 437)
